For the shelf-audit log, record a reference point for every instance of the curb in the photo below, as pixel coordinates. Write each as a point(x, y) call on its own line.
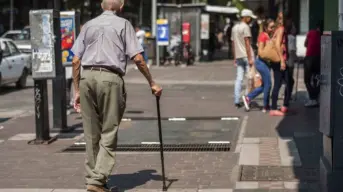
point(133, 190)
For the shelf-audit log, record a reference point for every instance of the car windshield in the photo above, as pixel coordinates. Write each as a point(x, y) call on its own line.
point(18, 36)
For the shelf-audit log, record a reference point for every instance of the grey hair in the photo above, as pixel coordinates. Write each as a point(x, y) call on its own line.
point(113, 5)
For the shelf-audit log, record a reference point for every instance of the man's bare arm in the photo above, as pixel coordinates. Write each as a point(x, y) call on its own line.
point(248, 46)
point(143, 68)
point(233, 50)
point(76, 72)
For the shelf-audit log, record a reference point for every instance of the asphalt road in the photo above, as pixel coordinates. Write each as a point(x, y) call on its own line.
point(14, 102)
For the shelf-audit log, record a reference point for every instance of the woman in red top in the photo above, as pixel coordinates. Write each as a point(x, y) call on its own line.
point(263, 68)
point(280, 70)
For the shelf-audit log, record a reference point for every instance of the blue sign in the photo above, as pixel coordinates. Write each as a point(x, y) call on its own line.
point(162, 32)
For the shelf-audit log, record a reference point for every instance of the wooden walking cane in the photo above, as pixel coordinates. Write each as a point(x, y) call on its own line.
point(164, 188)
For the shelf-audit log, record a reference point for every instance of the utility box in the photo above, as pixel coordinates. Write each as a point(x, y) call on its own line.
point(331, 116)
point(44, 31)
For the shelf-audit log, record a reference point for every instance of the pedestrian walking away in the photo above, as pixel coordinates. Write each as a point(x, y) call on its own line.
point(100, 96)
point(312, 65)
point(242, 51)
point(140, 34)
point(263, 67)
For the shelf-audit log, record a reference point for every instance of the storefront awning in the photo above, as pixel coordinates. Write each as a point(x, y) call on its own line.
point(221, 9)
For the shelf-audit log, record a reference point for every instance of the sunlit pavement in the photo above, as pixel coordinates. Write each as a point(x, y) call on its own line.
point(267, 153)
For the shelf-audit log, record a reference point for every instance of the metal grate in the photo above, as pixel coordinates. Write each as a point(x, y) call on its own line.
point(278, 173)
point(209, 147)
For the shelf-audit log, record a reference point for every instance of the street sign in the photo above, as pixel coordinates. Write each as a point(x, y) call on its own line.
point(162, 32)
point(43, 43)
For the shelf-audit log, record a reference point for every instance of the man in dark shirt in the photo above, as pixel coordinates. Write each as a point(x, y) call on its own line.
point(312, 65)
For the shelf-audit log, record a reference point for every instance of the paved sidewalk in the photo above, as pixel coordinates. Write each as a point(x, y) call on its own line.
point(276, 154)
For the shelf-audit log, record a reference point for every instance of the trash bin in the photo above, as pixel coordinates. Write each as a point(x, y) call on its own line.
point(150, 48)
point(150, 45)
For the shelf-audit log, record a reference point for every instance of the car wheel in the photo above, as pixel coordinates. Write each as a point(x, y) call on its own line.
point(21, 83)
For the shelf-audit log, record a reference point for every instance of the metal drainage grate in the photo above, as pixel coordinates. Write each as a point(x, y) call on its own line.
point(209, 147)
point(278, 173)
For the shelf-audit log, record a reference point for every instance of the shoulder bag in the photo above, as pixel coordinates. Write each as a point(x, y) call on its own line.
point(270, 52)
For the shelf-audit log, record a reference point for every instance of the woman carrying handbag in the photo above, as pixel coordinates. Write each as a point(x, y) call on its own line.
point(280, 70)
point(263, 67)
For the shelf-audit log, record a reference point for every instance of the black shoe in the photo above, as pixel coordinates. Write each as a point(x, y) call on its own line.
point(238, 105)
point(111, 189)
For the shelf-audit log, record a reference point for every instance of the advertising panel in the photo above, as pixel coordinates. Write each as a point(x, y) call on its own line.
point(68, 35)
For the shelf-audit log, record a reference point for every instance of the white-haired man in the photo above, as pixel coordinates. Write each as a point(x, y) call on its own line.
point(102, 48)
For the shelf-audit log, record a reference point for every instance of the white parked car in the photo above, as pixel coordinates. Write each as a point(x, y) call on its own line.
point(13, 66)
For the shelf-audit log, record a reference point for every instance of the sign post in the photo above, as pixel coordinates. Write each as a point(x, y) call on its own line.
point(59, 84)
point(43, 41)
point(205, 35)
point(70, 27)
point(162, 35)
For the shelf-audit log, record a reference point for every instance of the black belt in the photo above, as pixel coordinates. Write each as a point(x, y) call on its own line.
point(102, 68)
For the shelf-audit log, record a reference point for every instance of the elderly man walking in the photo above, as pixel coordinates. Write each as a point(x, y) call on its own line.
point(102, 48)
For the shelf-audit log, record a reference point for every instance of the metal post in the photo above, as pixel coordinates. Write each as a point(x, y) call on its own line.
point(141, 12)
point(340, 15)
point(59, 83)
point(11, 14)
point(41, 113)
point(153, 17)
point(164, 48)
point(41, 106)
point(154, 29)
point(35, 4)
point(181, 21)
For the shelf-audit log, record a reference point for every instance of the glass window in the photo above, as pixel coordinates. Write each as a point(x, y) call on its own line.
point(304, 16)
point(24, 35)
point(14, 50)
point(5, 49)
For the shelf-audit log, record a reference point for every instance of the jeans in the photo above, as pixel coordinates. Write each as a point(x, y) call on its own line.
point(279, 76)
point(264, 71)
point(145, 55)
point(242, 69)
point(311, 71)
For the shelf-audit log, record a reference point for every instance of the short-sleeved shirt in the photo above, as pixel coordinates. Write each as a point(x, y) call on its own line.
point(313, 43)
point(240, 31)
point(263, 37)
point(107, 40)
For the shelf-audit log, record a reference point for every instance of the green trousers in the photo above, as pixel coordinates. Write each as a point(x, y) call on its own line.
point(103, 102)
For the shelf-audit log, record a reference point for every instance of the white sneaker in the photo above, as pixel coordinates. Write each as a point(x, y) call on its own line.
point(246, 102)
point(311, 103)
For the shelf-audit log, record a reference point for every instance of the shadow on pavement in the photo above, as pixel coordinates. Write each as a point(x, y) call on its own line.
point(3, 120)
point(133, 180)
point(10, 89)
point(300, 132)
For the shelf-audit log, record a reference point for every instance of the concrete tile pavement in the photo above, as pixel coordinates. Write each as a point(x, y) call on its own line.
point(288, 141)
point(136, 190)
